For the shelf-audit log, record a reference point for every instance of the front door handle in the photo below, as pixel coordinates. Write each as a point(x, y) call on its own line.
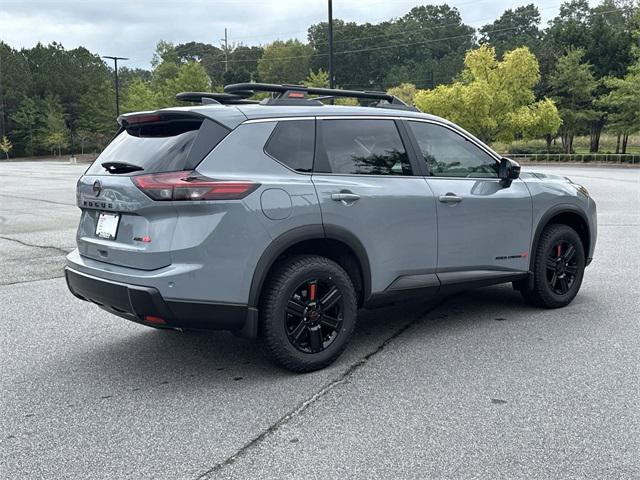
point(450, 198)
point(345, 197)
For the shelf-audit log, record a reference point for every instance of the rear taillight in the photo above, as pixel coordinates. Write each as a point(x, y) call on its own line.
point(191, 186)
point(132, 120)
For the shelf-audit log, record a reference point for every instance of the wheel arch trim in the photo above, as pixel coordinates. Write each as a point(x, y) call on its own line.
point(548, 216)
point(298, 235)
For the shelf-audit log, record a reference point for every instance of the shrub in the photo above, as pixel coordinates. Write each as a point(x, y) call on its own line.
point(527, 149)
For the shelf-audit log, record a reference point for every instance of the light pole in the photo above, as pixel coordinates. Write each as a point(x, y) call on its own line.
point(226, 50)
point(330, 44)
point(115, 69)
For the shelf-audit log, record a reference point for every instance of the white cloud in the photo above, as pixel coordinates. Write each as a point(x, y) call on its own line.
point(131, 28)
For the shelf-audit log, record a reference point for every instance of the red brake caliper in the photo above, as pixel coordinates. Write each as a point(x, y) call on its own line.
point(312, 291)
point(559, 247)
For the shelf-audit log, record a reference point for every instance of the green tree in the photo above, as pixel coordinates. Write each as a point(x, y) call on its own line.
point(572, 85)
point(127, 75)
point(15, 84)
point(191, 77)
point(5, 146)
point(165, 53)
point(66, 75)
point(138, 96)
point(166, 66)
point(494, 99)
point(405, 92)
point(610, 38)
point(285, 62)
point(319, 79)
point(514, 28)
point(241, 64)
point(623, 101)
point(97, 113)
point(55, 132)
point(603, 32)
point(28, 121)
point(605, 35)
point(237, 75)
point(426, 47)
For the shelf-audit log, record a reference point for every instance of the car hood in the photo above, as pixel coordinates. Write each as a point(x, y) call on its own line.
point(544, 177)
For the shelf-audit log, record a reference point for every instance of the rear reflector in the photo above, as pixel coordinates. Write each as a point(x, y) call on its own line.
point(191, 186)
point(155, 320)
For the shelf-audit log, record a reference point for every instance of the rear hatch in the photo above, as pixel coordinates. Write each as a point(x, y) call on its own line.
point(127, 195)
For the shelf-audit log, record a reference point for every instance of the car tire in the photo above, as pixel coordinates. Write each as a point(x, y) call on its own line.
point(558, 268)
point(305, 327)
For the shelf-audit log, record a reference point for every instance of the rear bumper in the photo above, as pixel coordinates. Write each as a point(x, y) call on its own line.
point(137, 303)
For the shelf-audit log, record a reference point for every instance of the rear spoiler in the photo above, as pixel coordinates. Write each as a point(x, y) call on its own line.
point(138, 118)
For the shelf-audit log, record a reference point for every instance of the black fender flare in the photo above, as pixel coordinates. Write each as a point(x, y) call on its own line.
point(300, 234)
point(544, 221)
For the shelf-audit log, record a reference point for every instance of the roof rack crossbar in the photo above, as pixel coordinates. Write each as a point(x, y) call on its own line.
point(286, 94)
point(284, 91)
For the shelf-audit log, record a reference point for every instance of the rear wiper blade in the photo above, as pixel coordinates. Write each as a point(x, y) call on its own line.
point(120, 167)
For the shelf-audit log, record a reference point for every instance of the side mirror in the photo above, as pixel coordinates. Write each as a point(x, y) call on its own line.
point(508, 171)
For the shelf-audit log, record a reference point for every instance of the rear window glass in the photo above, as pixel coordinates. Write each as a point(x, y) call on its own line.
point(162, 147)
point(292, 143)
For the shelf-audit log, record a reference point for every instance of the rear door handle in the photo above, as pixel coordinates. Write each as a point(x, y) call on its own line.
point(450, 198)
point(345, 197)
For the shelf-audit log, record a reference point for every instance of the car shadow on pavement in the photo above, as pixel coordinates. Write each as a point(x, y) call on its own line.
point(153, 356)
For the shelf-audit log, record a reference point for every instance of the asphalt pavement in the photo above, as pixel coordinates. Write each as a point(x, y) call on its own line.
point(479, 385)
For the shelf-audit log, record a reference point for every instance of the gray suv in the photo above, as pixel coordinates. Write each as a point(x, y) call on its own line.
point(277, 220)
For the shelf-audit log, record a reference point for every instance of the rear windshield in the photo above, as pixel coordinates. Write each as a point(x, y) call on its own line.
point(166, 146)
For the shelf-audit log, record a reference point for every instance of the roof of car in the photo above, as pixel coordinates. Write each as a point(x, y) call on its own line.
point(277, 111)
point(234, 115)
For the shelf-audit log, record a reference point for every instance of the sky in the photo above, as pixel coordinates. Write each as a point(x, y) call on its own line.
point(131, 28)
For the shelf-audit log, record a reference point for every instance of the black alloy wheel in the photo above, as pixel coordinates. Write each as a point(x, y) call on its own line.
point(308, 312)
point(313, 315)
point(558, 268)
point(562, 267)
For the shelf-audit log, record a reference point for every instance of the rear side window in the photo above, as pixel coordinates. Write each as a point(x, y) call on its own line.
point(292, 143)
point(364, 147)
point(164, 146)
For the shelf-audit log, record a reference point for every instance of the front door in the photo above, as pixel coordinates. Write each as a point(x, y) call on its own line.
point(367, 188)
point(484, 227)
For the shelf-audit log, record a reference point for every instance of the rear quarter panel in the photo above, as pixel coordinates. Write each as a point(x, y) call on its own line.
point(234, 241)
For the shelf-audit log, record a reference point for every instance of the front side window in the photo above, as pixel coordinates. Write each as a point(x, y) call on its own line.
point(364, 147)
point(449, 154)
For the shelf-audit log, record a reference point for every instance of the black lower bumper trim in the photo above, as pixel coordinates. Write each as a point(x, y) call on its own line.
point(135, 302)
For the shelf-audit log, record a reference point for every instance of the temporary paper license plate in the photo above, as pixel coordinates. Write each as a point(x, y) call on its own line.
point(107, 225)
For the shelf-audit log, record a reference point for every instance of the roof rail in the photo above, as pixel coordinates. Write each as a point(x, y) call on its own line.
point(238, 93)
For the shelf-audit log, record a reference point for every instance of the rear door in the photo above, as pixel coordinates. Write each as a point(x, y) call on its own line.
point(484, 227)
point(367, 188)
point(120, 224)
